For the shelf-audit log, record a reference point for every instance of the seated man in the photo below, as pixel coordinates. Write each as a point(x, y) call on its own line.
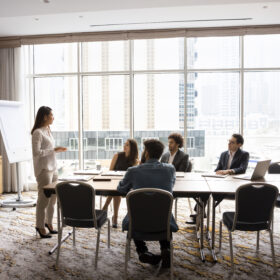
point(233, 161)
point(175, 156)
point(149, 174)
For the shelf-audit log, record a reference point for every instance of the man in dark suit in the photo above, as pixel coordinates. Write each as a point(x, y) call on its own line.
point(150, 174)
point(233, 161)
point(175, 156)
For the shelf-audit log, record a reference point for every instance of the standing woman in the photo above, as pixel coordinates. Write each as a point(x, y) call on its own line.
point(45, 168)
point(121, 161)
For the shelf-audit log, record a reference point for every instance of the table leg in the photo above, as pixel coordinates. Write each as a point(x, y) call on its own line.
point(200, 226)
point(213, 230)
point(208, 236)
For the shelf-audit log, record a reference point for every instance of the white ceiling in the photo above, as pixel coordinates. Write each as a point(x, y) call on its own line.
point(31, 17)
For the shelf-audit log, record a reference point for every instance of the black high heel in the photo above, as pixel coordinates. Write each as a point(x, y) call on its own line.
point(114, 225)
point(41, 234)
point(51, 231)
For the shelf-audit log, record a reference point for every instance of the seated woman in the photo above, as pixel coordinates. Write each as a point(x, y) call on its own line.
point(121, 161)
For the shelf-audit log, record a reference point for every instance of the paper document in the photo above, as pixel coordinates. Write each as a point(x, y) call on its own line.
point(76, 178)
point(88, 172)
point(113, 173)
point(180, 174)
point(214, 175)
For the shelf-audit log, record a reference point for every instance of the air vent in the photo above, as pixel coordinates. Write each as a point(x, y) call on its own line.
point(171, 21)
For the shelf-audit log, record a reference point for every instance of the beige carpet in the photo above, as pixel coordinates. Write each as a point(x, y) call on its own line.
point(23, 256)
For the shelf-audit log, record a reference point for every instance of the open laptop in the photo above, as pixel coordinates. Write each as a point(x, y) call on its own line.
point(259, 171)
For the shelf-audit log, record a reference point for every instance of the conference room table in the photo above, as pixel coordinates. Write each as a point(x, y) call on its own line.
point(187, 185)
point(191, 185)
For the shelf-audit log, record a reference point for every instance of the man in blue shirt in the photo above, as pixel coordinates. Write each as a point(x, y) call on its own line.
point(150, 174)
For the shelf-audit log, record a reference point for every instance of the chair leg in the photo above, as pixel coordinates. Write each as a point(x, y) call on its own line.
point(190, 205)
point(221, 235)
point(231, 250)
point(97, 248)
point(126, 257)
point(59, 235)
point(109, 233)
point(272, 248)
point(171, 260)
point(176, 201)
point(272, 222)
point(129, 249)
point(59, 245)
point(74, 236)
point(258, 240)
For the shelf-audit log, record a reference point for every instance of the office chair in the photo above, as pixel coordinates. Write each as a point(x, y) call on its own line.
point(254, 206)
point(76, 208)
point(274, 168)
point(149, 212)
point(189, 169)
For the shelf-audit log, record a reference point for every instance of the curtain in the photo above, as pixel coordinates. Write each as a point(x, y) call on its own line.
point(12, 88)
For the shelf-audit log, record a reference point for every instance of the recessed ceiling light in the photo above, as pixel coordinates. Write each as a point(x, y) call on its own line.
point(36, 19)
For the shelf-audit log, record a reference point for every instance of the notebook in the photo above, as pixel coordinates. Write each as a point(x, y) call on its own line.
point(258, 173)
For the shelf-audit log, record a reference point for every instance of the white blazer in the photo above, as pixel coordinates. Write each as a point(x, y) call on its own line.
point(43, 151)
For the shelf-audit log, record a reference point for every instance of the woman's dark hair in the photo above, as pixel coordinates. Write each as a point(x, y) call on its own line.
point(133, 154)
point(154, 148)
point(177, 138)
point(40, 117)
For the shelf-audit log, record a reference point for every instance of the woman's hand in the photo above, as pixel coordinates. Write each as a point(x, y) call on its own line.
point(60, 149)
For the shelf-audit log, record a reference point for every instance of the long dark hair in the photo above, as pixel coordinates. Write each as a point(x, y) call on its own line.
point(133, 154)
point(40, 117)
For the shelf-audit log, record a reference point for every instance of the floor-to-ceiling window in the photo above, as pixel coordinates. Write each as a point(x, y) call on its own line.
point(262, 96)
point(205, 88)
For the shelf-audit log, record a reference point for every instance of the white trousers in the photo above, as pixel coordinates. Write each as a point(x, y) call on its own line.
point(45, 205)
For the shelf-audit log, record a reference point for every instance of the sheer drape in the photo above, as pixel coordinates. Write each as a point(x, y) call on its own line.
point(12, 88)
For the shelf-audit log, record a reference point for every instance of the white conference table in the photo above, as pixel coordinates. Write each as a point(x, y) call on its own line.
point(191, 185)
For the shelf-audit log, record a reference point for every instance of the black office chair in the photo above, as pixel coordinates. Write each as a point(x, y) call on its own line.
point(274, 168)
point(76, 208)
point(254, 206)
point(189, 169)
point(149, 212)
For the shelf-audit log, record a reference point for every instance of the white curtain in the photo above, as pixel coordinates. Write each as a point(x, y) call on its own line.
point(12, 88)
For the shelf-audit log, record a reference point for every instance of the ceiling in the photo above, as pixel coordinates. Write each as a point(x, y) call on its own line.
point(32, 17)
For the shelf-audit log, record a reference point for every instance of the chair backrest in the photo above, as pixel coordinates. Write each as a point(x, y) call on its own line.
point(149, 211)
point(77, 201)
point(189, 168)
point(274, 168)
point(254, 203)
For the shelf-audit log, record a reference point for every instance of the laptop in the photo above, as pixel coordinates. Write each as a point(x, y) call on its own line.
point(259, 171)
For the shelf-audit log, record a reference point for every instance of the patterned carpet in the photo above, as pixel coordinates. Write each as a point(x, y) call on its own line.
point(23, 256)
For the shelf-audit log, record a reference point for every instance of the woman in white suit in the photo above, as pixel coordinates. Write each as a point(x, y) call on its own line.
point(45, 168)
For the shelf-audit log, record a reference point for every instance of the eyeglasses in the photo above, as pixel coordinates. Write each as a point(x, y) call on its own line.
point(231, 142)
